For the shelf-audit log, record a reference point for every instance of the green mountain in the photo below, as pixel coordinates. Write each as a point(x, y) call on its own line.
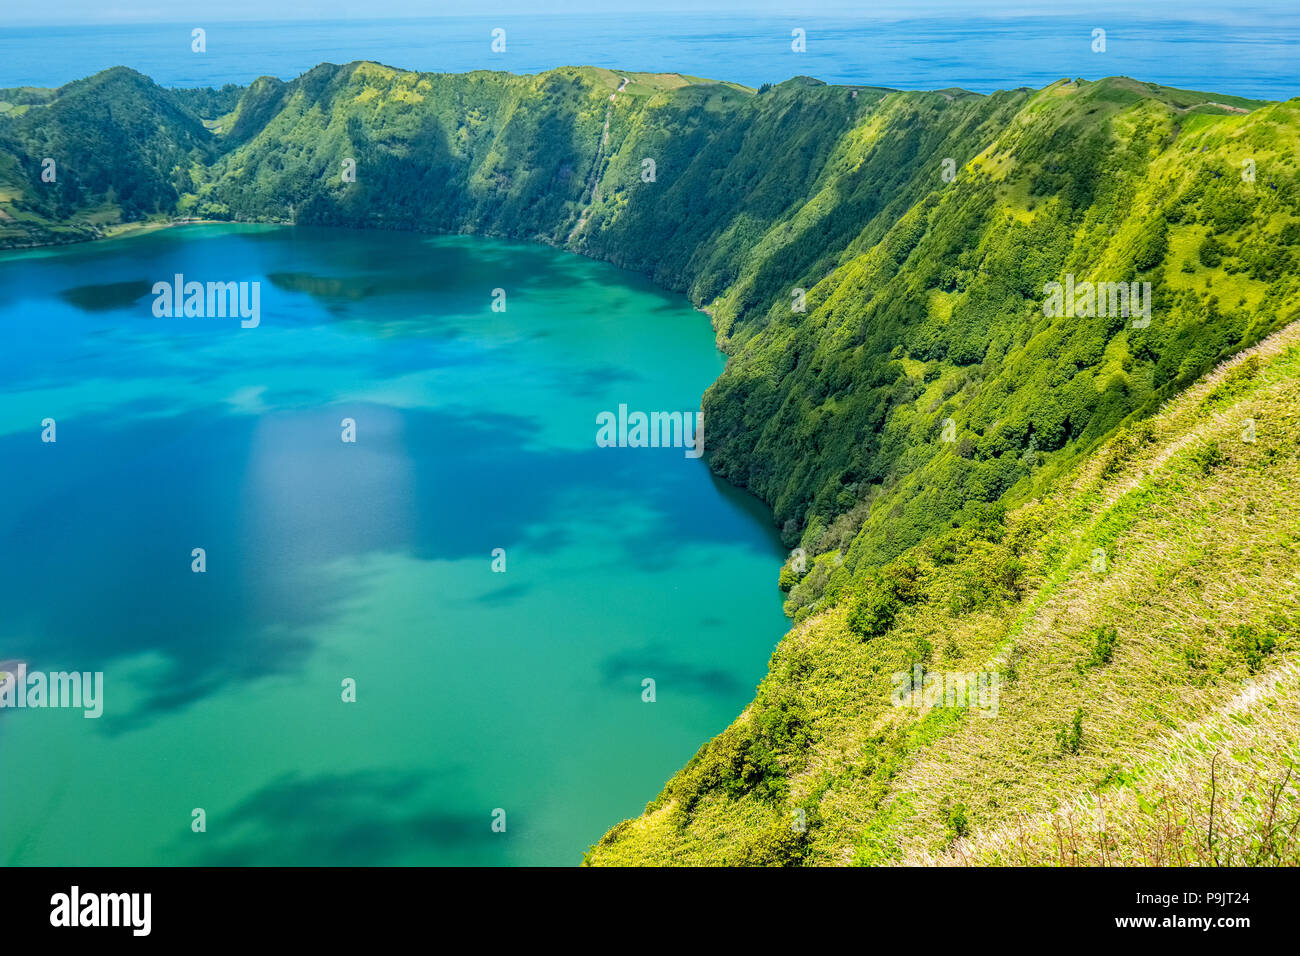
point(122, 148)
point(902, 389)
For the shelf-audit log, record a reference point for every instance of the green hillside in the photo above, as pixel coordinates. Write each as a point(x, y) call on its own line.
point(900, 391)
point(123, 149)
point(1144, 621)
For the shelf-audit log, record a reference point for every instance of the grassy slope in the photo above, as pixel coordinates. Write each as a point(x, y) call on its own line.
point(1199, 583)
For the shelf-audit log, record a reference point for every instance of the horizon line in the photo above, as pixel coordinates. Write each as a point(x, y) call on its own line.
point(1193, 13)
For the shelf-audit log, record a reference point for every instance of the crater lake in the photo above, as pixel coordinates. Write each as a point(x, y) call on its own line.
point(492, 588)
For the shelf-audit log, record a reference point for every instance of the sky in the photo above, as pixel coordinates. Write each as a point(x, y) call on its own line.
point(61, 12)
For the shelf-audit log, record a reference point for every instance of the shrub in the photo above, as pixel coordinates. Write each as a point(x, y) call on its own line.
point(874, 612)
point(747, 757)
point(1103, 648)
point(808, 590)
point(1235, 381)
point(1151, 245)
point(1069, 738)
point(1252, 645)
point(779, 844)
point(1207, 457)
point(887, 593)
point(1009, 575)
point(958, 825)
point(1210, 252)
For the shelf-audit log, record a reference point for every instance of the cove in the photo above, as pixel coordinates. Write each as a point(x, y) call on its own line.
point(480, 695)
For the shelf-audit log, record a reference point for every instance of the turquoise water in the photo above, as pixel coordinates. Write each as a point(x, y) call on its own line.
point(475, 430)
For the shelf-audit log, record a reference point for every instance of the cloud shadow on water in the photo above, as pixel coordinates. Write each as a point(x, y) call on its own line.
point(111, 513)
point(107, 296)
point(670, 674)
point(360, 818)
point(100, 525)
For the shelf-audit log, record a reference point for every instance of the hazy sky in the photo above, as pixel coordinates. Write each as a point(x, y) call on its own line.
point(127, 11)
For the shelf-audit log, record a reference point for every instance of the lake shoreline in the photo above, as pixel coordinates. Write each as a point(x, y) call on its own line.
point(131, 230)
point(393, 330)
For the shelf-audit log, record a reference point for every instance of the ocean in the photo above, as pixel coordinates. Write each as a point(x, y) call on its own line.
point(1233, 51)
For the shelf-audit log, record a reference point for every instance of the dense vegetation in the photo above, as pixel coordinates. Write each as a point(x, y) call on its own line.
point(123, 150)
point(1147, 652)
point(875, 263)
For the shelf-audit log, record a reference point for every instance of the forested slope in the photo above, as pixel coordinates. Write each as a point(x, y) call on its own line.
point(119, 149)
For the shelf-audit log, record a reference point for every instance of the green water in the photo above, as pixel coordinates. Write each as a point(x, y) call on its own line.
point(476, 690)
